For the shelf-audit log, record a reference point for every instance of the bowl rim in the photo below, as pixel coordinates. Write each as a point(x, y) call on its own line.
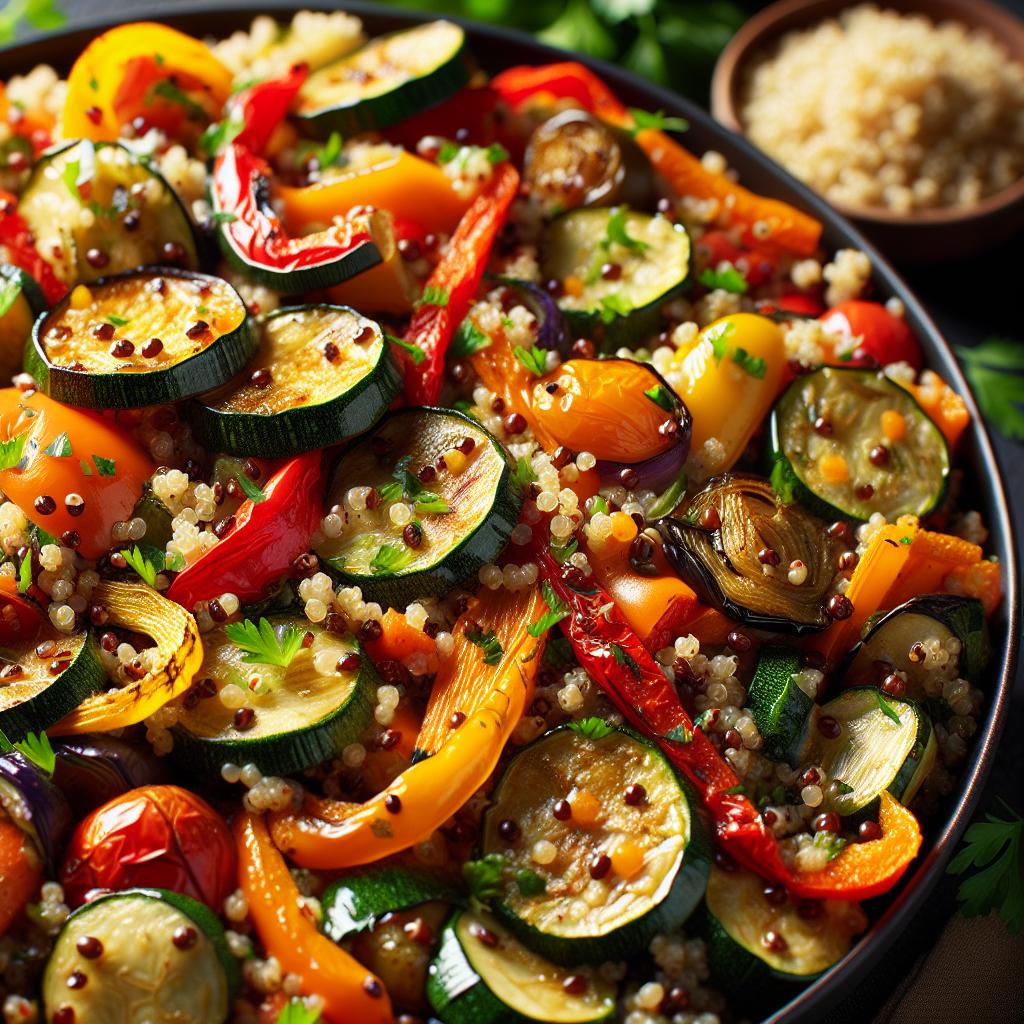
point(810, 1004)
point(765, 27)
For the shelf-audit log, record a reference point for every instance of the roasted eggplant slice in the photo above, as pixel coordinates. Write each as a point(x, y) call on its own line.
point(735, 545)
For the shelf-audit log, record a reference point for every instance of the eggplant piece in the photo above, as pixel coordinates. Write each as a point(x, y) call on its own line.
point(36, 805)
point(890, 643)
point(94, 769)
point(552, 332)
point(732, 562)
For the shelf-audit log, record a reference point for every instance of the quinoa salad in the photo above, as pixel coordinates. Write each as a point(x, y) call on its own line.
point(463, 557)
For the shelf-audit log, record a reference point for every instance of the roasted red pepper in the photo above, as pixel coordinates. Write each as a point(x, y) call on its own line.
point(267, 536)
point(615, 657)
point(454, 283)
point(263, 106)
point(241, 189)
point(17, 246)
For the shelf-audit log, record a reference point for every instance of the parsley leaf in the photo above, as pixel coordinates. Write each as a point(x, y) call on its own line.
point(414, 352)
point(624, 658)
point(756, 366)
point(391, 558)
point(729, 280)
point(661, 397)
point(250, 488)
point(411, 487)
point(468, 339)
point(11, 451)
point(535, 360)
point(563, 552)
point(40, 14)
point(719, 336)
point(530, 883)
point(483, 877)
point(220, 134)
point(146, 568)
point(105, 467)
point(679, 734)
point(35, 747)
point(557, 610)
point(995, 369)
point(593, 728)
point(326, 155)
point(262, 645)
point(488, 643)
point(886, 708)
point(168, 90)
point(656, 121)
point(432, 296)
point(25, 574)
point(10, 289)
point(117, 321)
point(496, 153)
point(59, 447)
point(295, 1011)
point(613, 305)
point(523, 473)
point(617, 233)
point(996, 847)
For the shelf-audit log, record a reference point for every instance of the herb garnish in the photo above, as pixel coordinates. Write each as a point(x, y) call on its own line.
point(262, 645)
point(391, 558)
point(414, 352)
point(886, 708)
point(432, 296)
point(295, 1011)
point(488, 643)
point(728, 280)
point(35, 747)
point(11, 451)
point(657, 121)
point(557, 610)
point(756, 366)
point(661, 397)
point(105, 467)
point(250, 488)
point(468, 339)
point(535, 359)
point(995, 369)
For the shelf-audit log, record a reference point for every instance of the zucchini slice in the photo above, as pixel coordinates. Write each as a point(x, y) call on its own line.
point(142, 338)
point(141, 954)
point(21, 301)
point(955, 623)
point(483, 975)
point(48, 680)
point(649, 853)
point(96, 209)
point(356, 903)
point(778, 705)
point(750, 937)
point(458, 504)
point(617, 268)
point(388, 80)
point(852, 442)
point(872, 751)
point(302, 714)
point(321, 374)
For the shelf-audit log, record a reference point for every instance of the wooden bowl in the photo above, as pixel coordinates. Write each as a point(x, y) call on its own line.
point(923, 236)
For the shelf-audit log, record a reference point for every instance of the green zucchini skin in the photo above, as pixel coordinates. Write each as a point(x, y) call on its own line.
point(680, 896)
point(84, 676)
point(779, 707)
point(302, 428)
point(57, 993)
point(355, 903)
point(457, 564)
point(374, 112)
point(21, 301)
point(125, 247)
point(790, 468)
point(214, 365)
point(460, 993)
point(27, 284)
point(284, 751)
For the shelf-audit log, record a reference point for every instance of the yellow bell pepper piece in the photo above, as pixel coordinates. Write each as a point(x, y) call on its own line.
point(113, 73)
point(730, 377)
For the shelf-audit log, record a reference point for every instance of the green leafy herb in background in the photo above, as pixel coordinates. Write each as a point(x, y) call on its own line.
point(995, 848)
point(43, 15)
point(995, 369)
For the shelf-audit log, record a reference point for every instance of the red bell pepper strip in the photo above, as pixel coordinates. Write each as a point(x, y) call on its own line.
point(267, 536)
point(20, 619)
point(791, 229)
point(263, 106)
point(454, 283)
point(615, 657)
point(241, 188)
point(17, 246)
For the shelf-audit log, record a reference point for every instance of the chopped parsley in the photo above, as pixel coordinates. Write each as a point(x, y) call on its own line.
point(995, 369)
point(488, 643)
point(220, 134)
point(468, 339)
point(535, 359)
point(625, 659)
point(657, 121)
point(617, 233)
point(614, 304)
point(414, 352)
point(661, 397)
point(116, 321)
point(679, 734)
point(295, 1011)
point(11, 451)
point(327, 155)
point(523, 474)
point(168, 90)
point(483, 877)
point(35, 748)
point(262, 645)
point(563, 552)
point(408, 485)
point(728, 280)
point(433, 296)
point(557, 610)
point(756, 366)
point(222, 217)
point(10, 289)
point(391, 558)
point(886, 708)
point(719, 336)
point(250, 488)
point(25, 574)
point(146, 568)
point(593, 728)
point(530, 883)
point(105, 467)
point(496, 153)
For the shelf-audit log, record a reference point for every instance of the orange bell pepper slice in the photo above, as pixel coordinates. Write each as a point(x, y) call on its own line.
point(142, 69)
point(943, 405)
point(399, 640)
point(410, 187)
point(863, 870)
point(70, 451)
point(349, 992)
point(426, 795)
point(21, 873)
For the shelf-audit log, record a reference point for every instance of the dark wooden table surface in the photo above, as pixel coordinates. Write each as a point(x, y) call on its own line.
point(970, 300)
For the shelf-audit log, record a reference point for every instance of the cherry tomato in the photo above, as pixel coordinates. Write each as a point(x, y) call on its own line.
point(792, 302)
point(21, 871)
point(156, 836)
point(884, 338)
point(757, 266)
point(20, 619)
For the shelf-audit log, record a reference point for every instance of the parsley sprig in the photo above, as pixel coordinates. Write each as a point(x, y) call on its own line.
point(995, 369)
point(43, 15)
point(295, 1011)
point(557, 610)
point(391, 558)
point(407, 485)
point(148, 561)
point(488, 643)
point(262, 644)
point(535, 359)
point(35, 747)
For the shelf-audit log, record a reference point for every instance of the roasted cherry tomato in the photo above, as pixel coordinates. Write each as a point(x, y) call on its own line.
point(21, 871)
point(884, 338)
point(161, 837)
point(756, 266)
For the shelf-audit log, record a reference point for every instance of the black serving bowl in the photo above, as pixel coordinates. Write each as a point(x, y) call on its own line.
point(496, 48)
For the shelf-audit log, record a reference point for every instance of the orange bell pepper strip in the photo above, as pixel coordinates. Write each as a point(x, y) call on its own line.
point(410, 187)
point(942, 404)
point(398, 640)
point(869, 869)
point(426, 795)
point(69, 452)
point(454, 284)
point(790, 229)
point(21, 873)
point(886, 555)
point(142, 69)
point(387, 287)
point(349, 992)
point(659, 608)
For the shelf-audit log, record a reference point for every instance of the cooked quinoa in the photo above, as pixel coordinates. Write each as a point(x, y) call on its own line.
point(877, 108)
